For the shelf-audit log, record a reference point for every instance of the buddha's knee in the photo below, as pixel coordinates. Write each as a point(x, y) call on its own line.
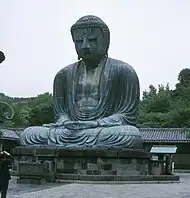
point(124, 130)
point(135, 136)
point(34, 135)
point(35, 130)
point(120, 136)
point(130, 130)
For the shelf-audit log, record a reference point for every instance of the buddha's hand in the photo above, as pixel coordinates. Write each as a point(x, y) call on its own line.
point(50, 125)
point(79, 125)
point(59, 123)
point(108, 123)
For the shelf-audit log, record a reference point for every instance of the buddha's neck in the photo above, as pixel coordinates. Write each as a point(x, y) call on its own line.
point(93, 64)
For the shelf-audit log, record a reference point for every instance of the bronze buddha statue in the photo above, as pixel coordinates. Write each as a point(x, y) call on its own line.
point(96, 100)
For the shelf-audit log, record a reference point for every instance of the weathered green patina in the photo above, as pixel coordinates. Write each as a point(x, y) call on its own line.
point(96, 100)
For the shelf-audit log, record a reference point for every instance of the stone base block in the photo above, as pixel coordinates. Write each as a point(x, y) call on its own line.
point(81, 164)
point(27, 180)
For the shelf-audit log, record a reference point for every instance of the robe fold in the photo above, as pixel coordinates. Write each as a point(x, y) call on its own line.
point(116, 111)
point(118, 90)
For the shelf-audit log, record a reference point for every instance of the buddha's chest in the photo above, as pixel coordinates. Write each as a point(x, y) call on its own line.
point(87, 89)
point(87, 85)
point(88, 82)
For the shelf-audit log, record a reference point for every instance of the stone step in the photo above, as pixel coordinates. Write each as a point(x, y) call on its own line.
point(61, 181)
point(75, 177)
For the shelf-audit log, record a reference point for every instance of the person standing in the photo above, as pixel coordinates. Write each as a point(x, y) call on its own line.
point(5, 160)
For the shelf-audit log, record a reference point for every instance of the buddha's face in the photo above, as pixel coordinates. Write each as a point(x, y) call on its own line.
point(89, 43)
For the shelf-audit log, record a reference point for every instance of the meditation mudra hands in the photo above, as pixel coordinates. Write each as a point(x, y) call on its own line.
point(79, 125)
point(73, 125)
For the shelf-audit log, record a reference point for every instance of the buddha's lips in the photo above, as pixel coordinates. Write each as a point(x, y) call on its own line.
point(86, 52)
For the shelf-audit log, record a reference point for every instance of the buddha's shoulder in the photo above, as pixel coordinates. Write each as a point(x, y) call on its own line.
point(68, 68)
point(120, 65)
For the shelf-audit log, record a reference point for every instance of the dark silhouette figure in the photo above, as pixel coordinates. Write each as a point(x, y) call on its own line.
point(5, 160)
point(2, 57)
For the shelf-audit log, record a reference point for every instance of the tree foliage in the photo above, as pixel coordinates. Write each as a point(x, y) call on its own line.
point(164, 107)
point(43, 111)
point(33, 111)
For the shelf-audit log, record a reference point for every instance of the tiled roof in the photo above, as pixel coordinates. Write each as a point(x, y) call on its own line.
point(164, 134)
point(9, 134)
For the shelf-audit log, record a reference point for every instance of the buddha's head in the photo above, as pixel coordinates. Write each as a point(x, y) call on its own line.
point(91, 37)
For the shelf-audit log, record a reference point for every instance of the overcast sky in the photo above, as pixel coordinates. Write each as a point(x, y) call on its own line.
point(151, 35)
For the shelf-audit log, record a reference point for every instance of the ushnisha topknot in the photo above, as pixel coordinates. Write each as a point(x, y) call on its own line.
point(93, 21)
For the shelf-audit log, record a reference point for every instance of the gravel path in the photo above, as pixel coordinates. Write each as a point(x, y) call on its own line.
point(175, 190)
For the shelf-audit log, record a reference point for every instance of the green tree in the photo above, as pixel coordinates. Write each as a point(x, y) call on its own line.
point(163, 107)
point(156, 101)
point(24, 116)
point(41, 109)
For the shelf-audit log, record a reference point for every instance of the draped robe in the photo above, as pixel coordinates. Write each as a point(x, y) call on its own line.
point(116, 111)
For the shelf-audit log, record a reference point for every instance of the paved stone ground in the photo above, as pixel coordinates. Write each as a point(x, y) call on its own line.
point(175, 190)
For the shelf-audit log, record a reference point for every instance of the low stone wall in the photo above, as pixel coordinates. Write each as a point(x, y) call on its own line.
point(53, 163)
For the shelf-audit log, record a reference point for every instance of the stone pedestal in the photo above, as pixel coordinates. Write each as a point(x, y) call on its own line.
point(62, 164)
point(55, 164)
point(44, 164)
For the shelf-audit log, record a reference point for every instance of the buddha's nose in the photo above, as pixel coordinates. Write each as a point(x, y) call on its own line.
point(85, 45)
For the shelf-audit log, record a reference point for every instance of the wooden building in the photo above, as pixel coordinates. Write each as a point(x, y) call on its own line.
point(9, 138)
point(170, 136)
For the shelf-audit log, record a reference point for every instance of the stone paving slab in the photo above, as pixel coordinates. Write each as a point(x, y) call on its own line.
point(173, 190)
